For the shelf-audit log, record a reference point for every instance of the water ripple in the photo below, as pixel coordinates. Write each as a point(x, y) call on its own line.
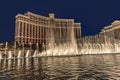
point(84, 67)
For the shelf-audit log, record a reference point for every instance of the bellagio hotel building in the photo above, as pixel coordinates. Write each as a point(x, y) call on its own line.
point(32, 28)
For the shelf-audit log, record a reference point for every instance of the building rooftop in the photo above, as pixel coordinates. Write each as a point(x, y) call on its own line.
point(114, 25)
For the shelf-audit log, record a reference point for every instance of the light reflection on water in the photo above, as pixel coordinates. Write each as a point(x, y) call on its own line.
point(92, 67)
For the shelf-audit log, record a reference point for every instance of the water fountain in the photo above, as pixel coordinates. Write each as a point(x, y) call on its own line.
point(6, 47)
point(87, 45)
point(66, 46)
point(14, 49)
point(28, 53)
point(10, 55)
point(35, 54)
point(97, 46)
point(63, 49)
point(0, 55)
point(19, 54)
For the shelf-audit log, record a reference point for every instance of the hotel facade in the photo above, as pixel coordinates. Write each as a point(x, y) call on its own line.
point(33, 28)
point(112, 31)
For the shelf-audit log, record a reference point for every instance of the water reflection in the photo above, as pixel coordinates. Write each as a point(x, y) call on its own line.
point(93, 67)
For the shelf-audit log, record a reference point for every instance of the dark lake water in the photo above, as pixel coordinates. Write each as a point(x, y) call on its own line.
point(84, 67)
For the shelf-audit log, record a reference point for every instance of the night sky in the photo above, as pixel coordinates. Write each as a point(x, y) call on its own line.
point(93, 14)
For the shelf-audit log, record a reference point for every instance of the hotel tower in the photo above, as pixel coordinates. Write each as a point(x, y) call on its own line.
point(33, 28)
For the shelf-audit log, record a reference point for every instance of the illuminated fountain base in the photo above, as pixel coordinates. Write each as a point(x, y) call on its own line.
point(0, 55)
point(64, 50)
